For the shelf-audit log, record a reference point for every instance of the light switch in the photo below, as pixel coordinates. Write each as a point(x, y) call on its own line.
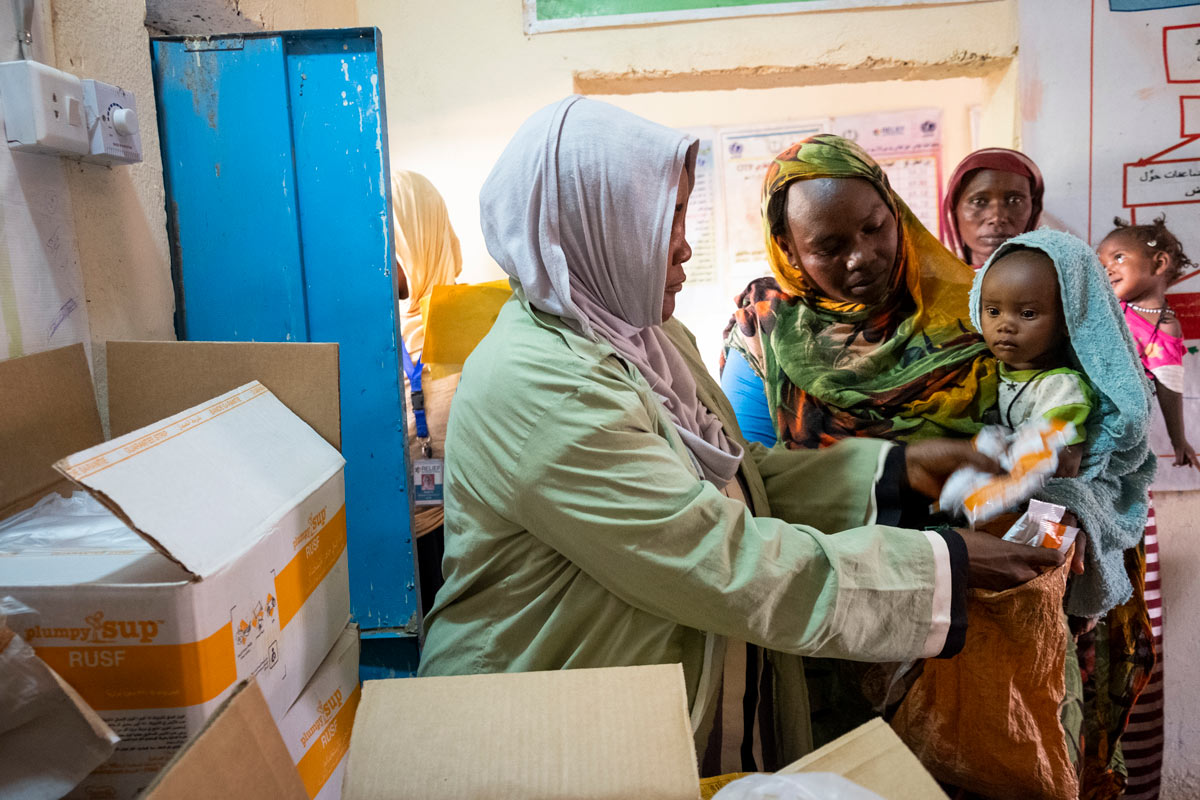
point(43, 109)
point(74, 111)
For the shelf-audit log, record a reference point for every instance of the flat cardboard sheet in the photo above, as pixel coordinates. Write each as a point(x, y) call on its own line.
point(238, 755)
point(621, 732)
point(873, 756)
point(300, 374)
point(47, 411)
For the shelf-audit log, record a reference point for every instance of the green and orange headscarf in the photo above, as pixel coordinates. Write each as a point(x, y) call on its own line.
point(908, 368)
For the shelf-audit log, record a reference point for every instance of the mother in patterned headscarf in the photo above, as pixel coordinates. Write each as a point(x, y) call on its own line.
point(863, 330)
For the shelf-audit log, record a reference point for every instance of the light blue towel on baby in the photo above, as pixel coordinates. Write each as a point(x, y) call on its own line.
point(1110, 496)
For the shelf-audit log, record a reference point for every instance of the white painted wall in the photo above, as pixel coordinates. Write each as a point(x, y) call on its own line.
point(1080, 138)
point(461, 77)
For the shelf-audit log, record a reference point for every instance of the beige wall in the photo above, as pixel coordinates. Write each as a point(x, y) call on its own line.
point(120, 216)
point(461, 76)
point(282, 15)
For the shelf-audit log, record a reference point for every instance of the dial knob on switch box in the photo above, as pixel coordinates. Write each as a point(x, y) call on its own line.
point(124, 121)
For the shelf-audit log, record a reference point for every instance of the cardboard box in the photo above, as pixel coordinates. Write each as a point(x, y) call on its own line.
point(316, 729)
point(242, 505)
point(238, 755)
point(252, 756)
point(586, 733)
point(590, 733)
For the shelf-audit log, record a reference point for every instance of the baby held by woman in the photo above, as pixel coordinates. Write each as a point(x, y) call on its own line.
point(1046, 312)
point(1020, 314)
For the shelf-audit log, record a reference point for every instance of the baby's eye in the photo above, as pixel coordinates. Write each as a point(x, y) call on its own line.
point(1028, 313)
point(992, 311)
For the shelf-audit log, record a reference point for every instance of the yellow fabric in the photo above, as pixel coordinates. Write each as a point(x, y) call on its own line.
point(427, 249)
point(457, 318)
point(710, 786)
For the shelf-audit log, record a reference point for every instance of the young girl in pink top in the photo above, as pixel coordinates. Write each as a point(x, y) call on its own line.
point(1142, 261)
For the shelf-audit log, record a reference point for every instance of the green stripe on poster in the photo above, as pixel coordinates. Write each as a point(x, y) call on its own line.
point(577, 9)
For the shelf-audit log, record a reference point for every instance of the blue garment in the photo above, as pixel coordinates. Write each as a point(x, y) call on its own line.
point(749, 399)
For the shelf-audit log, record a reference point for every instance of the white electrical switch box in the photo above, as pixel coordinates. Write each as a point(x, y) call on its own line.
point(43, 109)
point(112, 124)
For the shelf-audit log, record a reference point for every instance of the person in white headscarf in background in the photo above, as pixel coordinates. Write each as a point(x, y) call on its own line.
point(427, 255)
point(602, 508)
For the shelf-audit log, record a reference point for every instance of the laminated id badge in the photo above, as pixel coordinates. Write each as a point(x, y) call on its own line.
point(427, 481)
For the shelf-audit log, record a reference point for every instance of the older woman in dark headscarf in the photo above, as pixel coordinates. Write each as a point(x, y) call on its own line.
point(993, 195)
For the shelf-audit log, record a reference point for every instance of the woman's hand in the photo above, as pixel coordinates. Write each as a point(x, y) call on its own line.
point(998, 565)
point(927, 464)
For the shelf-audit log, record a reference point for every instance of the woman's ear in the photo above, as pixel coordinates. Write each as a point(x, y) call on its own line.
point(784, 244)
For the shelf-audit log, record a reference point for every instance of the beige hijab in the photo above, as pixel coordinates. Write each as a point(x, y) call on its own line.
point(426, 249)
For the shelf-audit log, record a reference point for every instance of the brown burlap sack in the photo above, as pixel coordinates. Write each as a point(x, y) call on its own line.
point(987, 720)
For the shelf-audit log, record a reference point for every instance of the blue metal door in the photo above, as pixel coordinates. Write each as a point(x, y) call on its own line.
point(278, 198)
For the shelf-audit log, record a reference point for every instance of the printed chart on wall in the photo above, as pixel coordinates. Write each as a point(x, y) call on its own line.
point(745, 154)
point(543, 16)
point(908, 145)
point(1111, 106)
point(1160, 178)
point(41, 290)
point(701, 216)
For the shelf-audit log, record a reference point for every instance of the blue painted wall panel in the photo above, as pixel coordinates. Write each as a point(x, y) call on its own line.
point(239, 253)
point(277, 180)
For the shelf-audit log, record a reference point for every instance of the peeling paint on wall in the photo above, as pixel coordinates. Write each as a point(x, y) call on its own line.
point(637, 81)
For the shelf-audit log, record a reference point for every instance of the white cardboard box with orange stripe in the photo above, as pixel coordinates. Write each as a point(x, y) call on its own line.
point(242, 506)
point(316, 729)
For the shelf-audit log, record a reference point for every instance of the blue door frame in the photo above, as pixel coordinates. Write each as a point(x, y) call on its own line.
point(274, 151)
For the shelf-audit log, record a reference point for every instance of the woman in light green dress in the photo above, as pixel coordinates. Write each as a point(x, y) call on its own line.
point(601, 506)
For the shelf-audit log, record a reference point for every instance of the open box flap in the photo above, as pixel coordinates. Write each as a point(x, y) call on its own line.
point(148, 381)
point(206, 484)
point(238, 755)
point(873, 756)
point(47, 411)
